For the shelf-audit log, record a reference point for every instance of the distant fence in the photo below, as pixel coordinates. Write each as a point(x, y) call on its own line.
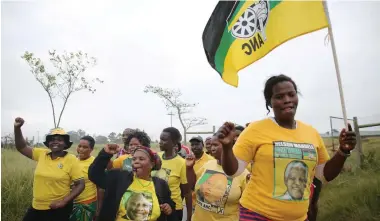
point(334, 135)
point(333, 132)
point(200, 132)
point(359, 137)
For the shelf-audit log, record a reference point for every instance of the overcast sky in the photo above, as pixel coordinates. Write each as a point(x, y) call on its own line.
point(160, 43)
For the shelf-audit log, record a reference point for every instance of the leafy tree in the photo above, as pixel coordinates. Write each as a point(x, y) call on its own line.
point(67, 79)
point(74, 136)
point(100, 139)
point(119, 138)
point(112, 137)
point(81, 133)
point(172, 100)
point(7, 141)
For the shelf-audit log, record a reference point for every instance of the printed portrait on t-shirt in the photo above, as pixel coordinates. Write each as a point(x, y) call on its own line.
point(213, 190)
point(293, 163)
point(295, 179)
point(138, 205)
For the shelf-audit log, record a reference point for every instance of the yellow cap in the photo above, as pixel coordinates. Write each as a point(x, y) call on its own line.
point(57, 131)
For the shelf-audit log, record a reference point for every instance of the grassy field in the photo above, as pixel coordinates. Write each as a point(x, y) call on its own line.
point(353, 196)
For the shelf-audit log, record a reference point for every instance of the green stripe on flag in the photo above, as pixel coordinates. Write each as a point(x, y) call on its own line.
point(273, 3)
point(228, 39)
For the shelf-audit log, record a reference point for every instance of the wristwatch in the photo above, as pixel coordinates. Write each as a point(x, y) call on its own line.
point(344, 153)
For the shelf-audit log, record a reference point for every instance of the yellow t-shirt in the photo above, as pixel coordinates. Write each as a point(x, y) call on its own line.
point(52, 178)
point(173, 171)
point(204, 159)
point(89, 191)
point(139, 202)
point(197, 166)
point(249, 167)
point(123, 162)
point(217, 194)
point(284, 167)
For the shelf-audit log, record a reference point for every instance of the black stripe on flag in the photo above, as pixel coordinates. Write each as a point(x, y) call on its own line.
point(215, 26)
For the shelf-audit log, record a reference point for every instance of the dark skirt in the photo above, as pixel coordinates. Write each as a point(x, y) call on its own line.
point(61, 214)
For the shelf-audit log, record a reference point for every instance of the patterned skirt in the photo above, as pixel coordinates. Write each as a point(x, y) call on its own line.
point(84, 211)
point(248, 215)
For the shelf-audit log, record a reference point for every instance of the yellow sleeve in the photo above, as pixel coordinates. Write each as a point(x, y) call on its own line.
point(245, 148)
point(323, 155)
point(117, 163)
point(244, 181)
point(199, 172)
point(37, 152)
point(249, 167)
point(183, 178)
point(76, 170)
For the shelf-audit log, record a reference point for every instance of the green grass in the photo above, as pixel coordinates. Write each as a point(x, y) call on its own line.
point(353, 196)
point(16, 185)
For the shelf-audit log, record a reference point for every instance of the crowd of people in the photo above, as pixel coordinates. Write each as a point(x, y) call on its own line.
point(271, 169)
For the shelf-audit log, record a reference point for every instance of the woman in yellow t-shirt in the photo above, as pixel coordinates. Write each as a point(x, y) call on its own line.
point(85, 205)
point(286, 153)
point(132, 195)
point(208, 145)
point(56, 170)
point(135, 139)
point(217, 195)
point(173, 170)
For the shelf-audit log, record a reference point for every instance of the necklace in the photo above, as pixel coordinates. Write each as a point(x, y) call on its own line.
point(138, 180)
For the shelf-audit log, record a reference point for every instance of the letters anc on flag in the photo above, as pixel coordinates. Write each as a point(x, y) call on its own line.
point(239, 33)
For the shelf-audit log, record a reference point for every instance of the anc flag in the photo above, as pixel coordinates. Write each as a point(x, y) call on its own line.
point(239, 33)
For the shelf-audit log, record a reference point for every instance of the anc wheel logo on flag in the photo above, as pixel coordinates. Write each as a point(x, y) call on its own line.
point(254, 19)
point(240, 32)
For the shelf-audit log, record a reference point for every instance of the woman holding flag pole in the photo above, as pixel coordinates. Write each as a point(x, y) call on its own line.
point(287, 154)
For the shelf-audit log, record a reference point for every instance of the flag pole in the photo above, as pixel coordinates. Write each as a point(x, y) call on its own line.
point(336, 64)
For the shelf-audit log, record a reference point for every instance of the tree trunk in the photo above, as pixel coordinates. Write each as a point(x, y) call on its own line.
point(184, 136)
point(63, 108)
point(183, 125)
point(52, 107)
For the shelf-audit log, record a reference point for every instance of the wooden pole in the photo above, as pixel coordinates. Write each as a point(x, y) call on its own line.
point(369, 125)
point(171, 118)
point(332, 135)
point(359, 148)
point(336, 64)
point(203, 132)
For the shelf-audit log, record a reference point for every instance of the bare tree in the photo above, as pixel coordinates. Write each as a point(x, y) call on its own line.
point(7, 141)
point(191, 122)
point(66, 80)
point(172, 100)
